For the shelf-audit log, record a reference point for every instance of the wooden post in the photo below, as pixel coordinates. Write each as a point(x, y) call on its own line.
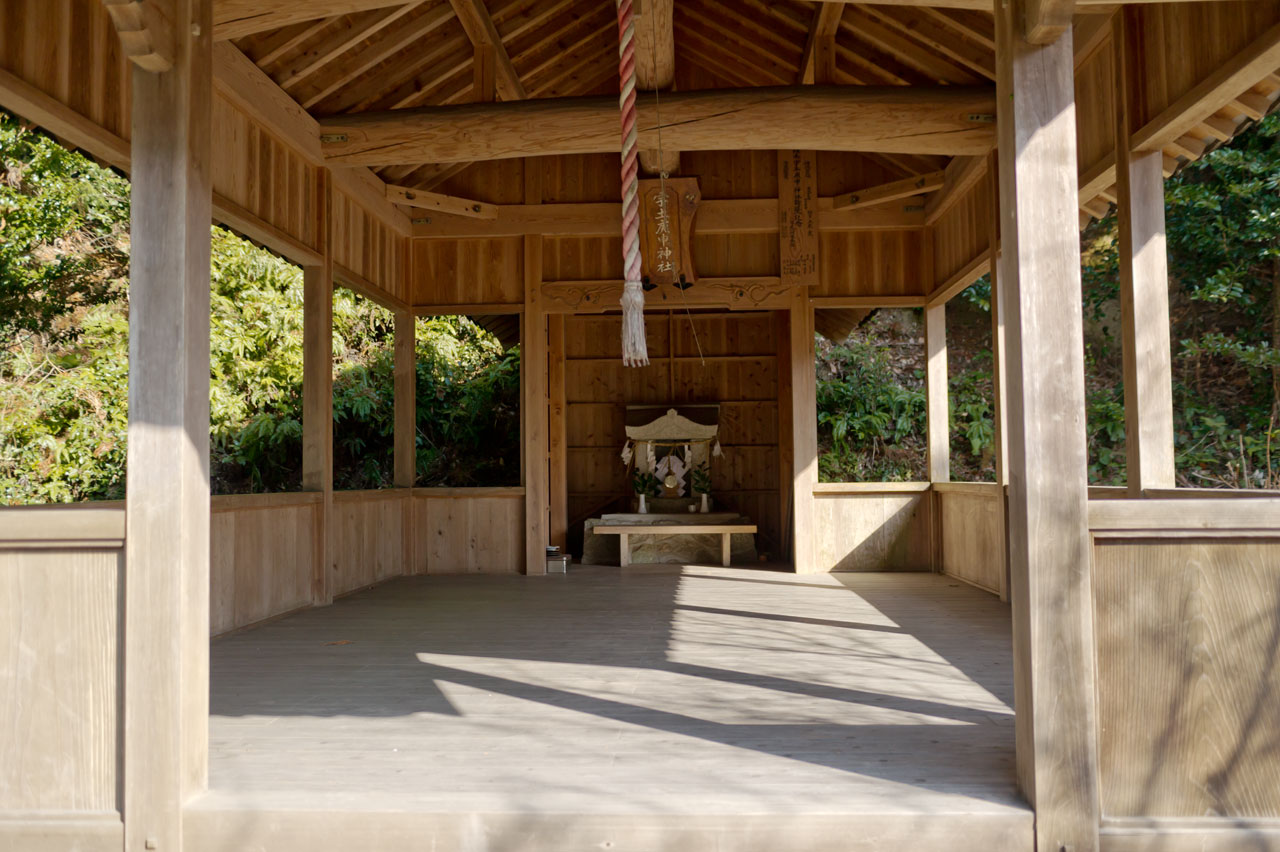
point(558, 439)
point(999, 379)
point(166, 584)
point(804, 433)
point(937, 405)
point(406, 412)
point(786, 429)
point(317, 414)
point(533, 401)
point(1056, 727)
point(1144, 291)
point(999, 372)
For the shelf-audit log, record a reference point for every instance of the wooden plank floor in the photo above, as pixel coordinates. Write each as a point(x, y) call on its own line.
point(694, 708)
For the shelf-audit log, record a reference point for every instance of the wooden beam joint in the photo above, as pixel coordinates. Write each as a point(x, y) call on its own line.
point(146, 30)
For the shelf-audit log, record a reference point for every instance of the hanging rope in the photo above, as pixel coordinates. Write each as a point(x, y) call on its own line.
point(634, 351)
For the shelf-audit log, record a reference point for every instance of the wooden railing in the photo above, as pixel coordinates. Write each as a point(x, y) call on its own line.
point(873, 526)
point(1187, 630)
point(61, 617)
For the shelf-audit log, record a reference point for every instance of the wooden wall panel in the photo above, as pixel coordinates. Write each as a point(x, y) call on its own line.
point(581, 258)
point(960, 234)
point(494, 182)
point(256, 171)
point(468, 272)
point(972, 544)
point(873, 263)
point(69, 49)
point(462, 533)
point(59, 669)
point(580, 178)
point(1183, 43)
point(1095, 107)
point(368, 247)
point(263, 554)
point(733, 174)
point(841, 172)
point(1188, 650)
point(873, 531)
point(739, 374)
point(734, 255)
point(368, 538)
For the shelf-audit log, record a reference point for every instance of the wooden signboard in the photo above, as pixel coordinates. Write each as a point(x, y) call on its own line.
point(667, 211)
point(798, 217)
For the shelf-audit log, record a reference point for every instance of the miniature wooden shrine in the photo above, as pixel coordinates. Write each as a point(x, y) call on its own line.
point(668, 462)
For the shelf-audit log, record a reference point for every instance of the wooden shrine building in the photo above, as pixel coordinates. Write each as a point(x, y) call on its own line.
point(1027, 664)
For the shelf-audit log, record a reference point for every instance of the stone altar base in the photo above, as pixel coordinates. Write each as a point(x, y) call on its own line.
point(667, 549)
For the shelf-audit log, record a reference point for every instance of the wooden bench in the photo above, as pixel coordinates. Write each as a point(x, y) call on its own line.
point(625, 531)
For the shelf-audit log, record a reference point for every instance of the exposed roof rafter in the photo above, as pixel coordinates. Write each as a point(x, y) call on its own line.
point(475, 19)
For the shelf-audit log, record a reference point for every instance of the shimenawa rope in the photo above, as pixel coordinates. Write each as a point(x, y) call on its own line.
point(634, 351)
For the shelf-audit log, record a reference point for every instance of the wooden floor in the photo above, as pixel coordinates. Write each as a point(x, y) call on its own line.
point(679, 709)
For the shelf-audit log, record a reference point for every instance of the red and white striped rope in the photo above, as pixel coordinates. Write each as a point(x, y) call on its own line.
point(634, 351)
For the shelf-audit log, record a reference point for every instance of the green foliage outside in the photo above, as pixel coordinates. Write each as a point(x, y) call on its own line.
point(1223, 222)
point(871, 401)
point(64, 370)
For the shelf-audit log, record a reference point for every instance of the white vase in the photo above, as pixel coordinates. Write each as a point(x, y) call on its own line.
point(644, 507)
point(705, 508)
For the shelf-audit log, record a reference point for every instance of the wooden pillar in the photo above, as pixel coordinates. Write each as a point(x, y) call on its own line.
point(406, 412)
point(533, 400)
point(937, 406)
point(166, 580)
point(999, 379)
point(1048, 536)
point(317, 415)
point(804, 433)
point(1144, 291)
point(558, 439)
point(999, 373)
point(786, 428)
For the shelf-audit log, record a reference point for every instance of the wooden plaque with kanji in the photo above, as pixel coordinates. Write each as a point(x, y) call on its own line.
point(667, 211)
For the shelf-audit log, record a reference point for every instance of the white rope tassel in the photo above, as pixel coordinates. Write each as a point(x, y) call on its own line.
point(635, 351)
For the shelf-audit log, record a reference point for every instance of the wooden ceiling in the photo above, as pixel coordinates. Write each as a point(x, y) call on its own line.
point(430, 53)
point(420, 54)
point(377, 55)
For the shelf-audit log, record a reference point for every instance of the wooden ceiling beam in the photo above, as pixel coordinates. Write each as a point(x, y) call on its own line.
point(238, 18)
point(655, 44)
point(819, 46)
point(907, 50)
point(604, 219)
point(380, 50)
point(1222, 87)
point(892, 191)
point(946, 120)
point(441, 203)
point(475, 19)
point(146, 32)
point(656, 70)
point(937, 36)
point(961, 176)
point(281, 42)
point(249, 88)
point(1082, 6)
point(1044, 21)
point(338, 43)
